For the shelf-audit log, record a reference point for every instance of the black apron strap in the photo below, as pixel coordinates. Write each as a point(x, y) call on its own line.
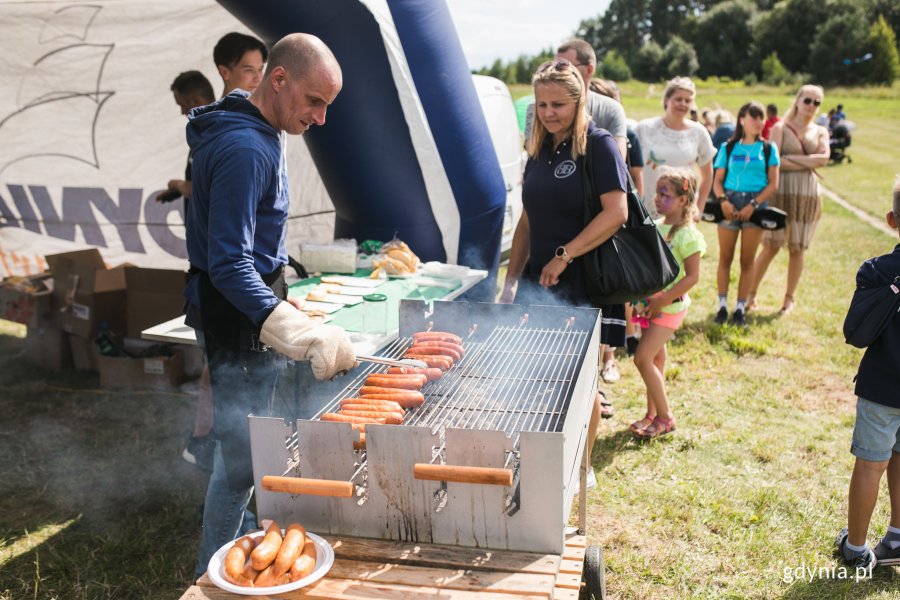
point(242, 371)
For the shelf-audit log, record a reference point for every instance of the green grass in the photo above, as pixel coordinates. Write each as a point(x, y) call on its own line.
point(755, 478)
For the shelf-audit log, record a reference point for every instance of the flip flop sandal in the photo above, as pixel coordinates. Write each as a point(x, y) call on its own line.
point(606, 408)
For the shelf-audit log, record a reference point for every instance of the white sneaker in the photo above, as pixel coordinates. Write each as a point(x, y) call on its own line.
point(610, 373)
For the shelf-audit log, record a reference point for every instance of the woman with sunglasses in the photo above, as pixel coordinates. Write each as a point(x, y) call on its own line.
point(544, 263)
point(803, 146)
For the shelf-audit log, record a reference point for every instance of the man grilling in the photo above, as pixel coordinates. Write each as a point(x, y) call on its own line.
point(235, 240)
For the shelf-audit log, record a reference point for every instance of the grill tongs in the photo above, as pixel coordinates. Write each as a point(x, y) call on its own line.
point(402, 362)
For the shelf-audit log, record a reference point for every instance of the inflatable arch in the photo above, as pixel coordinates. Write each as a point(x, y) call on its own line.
point(406, 150)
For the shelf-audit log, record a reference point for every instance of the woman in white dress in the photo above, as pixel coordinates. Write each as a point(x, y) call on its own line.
point(675, 140)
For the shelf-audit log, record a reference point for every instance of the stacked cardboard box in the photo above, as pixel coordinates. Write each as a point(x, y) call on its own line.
point(84, 297)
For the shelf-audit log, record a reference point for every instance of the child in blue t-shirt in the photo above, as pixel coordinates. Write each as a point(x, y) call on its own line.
point(746, 177)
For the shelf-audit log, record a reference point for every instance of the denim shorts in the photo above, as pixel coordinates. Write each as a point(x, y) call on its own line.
point(740, 200)
point(877, 431)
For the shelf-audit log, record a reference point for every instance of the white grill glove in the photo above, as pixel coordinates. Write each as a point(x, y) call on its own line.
point(295, 335)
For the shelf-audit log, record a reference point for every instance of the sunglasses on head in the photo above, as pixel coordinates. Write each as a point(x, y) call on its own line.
point(812, 101)
point(559, 65)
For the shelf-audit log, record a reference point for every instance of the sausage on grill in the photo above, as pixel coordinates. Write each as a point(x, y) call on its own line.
point(407, 382)
point(430, 373)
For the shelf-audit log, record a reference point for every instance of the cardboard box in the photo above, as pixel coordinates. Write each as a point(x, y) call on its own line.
point(85, 353)
point(156, 372)
point(48, 348)
point(86, 293)
point(153, 297)
point(26, 300)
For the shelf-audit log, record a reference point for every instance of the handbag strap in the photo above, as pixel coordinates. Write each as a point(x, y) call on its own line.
point(637, 212)
point(802, 147)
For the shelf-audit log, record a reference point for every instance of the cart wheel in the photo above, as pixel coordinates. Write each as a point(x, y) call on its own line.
point(594, 575)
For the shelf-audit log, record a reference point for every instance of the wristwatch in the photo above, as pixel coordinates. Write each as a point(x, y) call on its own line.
point(722, 198)
point(754, 204)
point(561, 254)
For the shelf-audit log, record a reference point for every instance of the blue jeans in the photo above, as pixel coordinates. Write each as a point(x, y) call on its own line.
point(740, 200)
point(225, 514)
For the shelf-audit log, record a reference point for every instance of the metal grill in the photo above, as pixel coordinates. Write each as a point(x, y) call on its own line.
point(511, 414)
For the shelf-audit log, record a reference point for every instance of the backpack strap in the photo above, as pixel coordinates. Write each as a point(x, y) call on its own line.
point(729, 146)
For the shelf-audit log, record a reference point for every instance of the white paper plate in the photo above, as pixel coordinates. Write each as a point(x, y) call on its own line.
point(351, 281)
point(324, 560)
point(325, 307)
point(344, 299)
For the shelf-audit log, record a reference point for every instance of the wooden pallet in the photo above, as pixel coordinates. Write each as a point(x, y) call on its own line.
point(364, 569)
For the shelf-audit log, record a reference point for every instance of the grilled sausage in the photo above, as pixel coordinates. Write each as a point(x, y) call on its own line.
point(410, 401)
point(348, 419)
point(390, 418)
point(441, 344)
point(365, 390)
point(431, 374)
point(267, 577)
point(305, 564)
point(441, 362)
point(361, 444)
point(434, 351)
point(264, 554)
point(235, 559)
point(387, 406)
point(412, 381)
point(291, 547)
point(249, 572)
point(437, 336)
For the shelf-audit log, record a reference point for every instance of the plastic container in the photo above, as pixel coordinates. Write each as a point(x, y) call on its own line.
point(375, 307)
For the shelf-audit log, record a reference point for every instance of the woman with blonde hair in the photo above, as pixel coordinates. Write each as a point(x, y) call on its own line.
point(674, 140)
point(803, 146)
point(545, 264)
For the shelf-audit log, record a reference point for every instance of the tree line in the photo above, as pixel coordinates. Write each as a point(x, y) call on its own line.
point(846, 42)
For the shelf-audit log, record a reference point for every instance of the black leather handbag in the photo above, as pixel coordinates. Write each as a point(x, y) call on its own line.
point(635, 262)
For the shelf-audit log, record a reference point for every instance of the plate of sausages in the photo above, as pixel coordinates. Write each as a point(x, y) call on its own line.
point(274, 561)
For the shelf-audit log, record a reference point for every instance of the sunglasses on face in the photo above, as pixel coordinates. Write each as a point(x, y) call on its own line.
point(812, 101)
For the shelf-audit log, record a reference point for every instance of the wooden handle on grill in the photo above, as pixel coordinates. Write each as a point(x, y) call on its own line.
point(482, 475)
point(310, 487)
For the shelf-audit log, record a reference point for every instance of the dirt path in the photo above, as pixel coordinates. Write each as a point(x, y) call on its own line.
point(878, 224)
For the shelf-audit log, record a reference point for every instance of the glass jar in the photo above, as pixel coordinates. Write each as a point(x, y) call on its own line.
point(375, 313)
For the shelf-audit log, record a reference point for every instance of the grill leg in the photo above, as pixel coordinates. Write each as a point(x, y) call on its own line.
point(582, 488)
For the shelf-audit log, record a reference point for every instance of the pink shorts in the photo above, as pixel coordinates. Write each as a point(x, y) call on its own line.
point(668, 320)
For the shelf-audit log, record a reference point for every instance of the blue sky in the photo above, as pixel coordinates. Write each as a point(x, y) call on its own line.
point(490, 29)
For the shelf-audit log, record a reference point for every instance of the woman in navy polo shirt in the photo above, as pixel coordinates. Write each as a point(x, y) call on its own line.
point(544, 265)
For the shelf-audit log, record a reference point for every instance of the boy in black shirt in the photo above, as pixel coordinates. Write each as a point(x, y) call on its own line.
point(876, 433)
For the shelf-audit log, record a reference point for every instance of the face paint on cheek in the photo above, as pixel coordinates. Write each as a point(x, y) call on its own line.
point(664, 200)
point(664, 203)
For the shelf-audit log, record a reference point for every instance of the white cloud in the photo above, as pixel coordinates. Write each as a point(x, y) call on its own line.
point(491, 29)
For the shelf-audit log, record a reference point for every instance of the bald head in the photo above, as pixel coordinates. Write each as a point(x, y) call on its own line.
point(301, 81)
point(300, 53)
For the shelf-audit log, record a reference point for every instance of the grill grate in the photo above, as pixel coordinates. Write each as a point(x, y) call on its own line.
point(518, 379)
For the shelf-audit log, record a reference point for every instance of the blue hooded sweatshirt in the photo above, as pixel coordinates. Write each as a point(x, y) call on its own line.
point(239, 204)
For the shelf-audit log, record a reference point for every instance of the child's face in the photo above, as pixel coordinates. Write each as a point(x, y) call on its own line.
point(667, 200)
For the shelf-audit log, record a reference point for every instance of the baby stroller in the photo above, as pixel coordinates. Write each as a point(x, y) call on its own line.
point(840, 141)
